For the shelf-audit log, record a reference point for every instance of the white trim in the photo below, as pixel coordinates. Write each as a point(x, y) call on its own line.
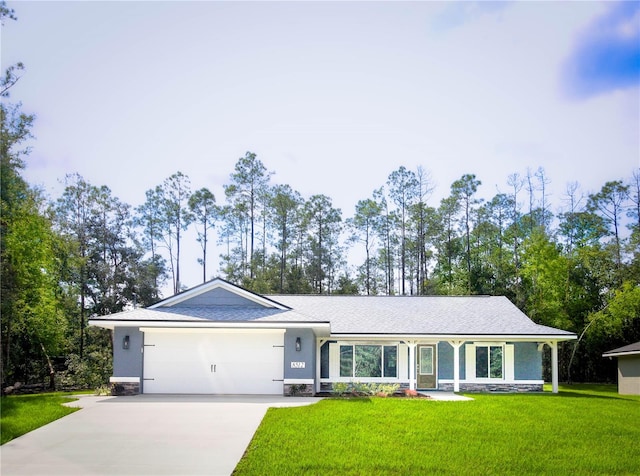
point(470, 361)
point(323, 329)
point(430, 347)
point(508, 362)
point(464, 337)
point(621, 354)
point(553, 344)
point(403, 361)
point(179, 330)
point(496, 381)
point(299, 381)
point(456, 344)
point(434, 363)
point(554, 367)
point(124, 379)
point(364, 380)
point(335, 365)
point(334, 359)
point(319, 343)
point(108, 324)
point(412, 364)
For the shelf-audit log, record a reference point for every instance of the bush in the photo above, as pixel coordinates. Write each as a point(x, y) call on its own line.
point(93, 371)
point(103, 390)
point(360, 389)
point(386, 390)
point(340, 388)
point(365, 389)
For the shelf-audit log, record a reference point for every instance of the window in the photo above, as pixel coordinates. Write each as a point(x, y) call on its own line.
point(368, 361)
point(346, 361)
point(489, 361)
point(390, 361)
point(324, 360)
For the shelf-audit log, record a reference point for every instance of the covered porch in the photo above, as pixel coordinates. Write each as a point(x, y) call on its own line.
point(463, 363)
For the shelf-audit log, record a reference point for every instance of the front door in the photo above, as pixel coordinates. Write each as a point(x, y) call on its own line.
point(426, 366)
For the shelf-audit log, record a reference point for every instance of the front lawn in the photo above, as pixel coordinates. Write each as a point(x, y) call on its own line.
point(21, 414)
point(582, 430)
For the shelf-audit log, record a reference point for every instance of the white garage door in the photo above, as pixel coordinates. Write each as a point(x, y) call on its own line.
point(212, 362)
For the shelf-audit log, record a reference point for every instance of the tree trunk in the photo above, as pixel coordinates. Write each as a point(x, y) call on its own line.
point(52, 372)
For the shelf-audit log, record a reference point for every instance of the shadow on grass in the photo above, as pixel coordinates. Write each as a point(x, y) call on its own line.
point(8, 407)
point(570, 394)
point(353, 399)
point(595, 391)
point(586, 391)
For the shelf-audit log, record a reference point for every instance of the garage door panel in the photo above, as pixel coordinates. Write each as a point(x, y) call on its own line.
point(215, 363)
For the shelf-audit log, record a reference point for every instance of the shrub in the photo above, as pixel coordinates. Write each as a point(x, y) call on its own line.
point(358, 388)
point(297, 389)
point(92, 371)
point(340, 388)
point(365, 389)
point(385, 390)
point(103, 390)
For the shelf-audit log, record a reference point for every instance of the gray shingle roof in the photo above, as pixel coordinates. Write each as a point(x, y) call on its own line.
point(403, 315)
point(630, 349)
point(195, 314)
point(477, 315)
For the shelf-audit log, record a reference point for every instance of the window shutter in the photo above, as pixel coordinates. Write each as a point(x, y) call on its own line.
point(509, 363)
point(403, 362)
point(334, 360)
point(470, 361)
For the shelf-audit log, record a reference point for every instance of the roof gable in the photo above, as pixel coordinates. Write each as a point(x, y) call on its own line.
point(218, 292)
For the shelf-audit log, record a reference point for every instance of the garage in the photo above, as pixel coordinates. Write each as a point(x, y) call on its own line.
point(213, 361)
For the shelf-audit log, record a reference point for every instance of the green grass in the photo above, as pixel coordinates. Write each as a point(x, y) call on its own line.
point(21, 414)
point(582, 430)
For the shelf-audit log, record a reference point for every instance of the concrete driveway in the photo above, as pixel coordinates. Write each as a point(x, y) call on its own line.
point(143, 435)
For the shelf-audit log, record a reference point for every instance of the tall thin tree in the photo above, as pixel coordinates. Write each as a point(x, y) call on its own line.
point(204, 212)
point(403, 188)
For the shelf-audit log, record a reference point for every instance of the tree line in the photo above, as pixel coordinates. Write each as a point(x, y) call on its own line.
point(86, 252)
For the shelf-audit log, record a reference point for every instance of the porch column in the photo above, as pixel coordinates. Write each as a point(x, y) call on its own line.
point(412, 364)
point(554, 366)
point(456, 363)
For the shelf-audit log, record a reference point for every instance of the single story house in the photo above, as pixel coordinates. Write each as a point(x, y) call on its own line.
point(628, 368)
point(218, 338)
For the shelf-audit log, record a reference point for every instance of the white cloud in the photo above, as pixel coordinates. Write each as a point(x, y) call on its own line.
point(606, 56)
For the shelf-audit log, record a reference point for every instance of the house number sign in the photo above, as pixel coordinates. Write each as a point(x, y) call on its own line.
point(297, 365)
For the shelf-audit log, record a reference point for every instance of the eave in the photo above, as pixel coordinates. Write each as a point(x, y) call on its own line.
point(621, 354)
point(320, 328)
point(457, 337)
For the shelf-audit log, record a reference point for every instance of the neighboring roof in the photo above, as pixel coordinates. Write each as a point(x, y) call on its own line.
point(631, 349)
point(347, 315)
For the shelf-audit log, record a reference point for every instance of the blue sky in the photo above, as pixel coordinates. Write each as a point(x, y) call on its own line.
point(332, 96)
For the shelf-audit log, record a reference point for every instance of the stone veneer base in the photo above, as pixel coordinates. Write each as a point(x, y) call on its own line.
point(123, 389)
point(298, 390)
point(493, 387)
point(466, 387)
